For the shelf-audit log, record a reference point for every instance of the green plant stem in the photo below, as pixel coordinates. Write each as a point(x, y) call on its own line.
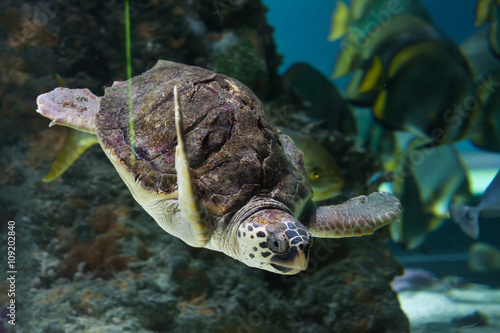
point(128, 54)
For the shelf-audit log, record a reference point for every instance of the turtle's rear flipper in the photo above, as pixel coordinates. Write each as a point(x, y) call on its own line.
point(75, 108)
point(194, 214)
point(76, 143)
point(356, 217)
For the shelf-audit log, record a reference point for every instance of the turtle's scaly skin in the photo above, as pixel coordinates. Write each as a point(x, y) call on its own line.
point(355, 217)
point(215, 173)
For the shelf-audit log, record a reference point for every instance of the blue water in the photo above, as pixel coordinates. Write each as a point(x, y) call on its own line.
point(301, 28)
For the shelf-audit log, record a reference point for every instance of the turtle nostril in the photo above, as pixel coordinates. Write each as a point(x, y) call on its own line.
point(304, 247)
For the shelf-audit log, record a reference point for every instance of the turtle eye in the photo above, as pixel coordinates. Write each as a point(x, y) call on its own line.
point(278, 243)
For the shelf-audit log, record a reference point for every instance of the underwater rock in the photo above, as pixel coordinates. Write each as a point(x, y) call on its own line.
point(102, 256)
point(84, 43)
point(239, 55)
point(44, 146)
point(11, 174)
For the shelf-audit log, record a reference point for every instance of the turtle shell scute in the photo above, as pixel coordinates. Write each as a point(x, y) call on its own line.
point(233, 148)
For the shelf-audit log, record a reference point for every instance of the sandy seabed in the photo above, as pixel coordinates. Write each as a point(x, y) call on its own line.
point(444, 311)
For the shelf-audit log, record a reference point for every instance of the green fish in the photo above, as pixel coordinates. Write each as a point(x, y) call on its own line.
point(325, 176)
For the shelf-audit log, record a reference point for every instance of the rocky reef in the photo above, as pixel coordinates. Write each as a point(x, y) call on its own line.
point(89, 258)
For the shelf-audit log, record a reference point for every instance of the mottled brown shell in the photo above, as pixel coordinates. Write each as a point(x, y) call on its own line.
point(234, 150)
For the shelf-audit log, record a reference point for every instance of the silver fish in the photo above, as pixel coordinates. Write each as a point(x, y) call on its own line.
point(467, 217)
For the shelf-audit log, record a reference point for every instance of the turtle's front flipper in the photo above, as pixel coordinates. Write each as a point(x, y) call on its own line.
point(76, 143)
point(356, 217)
point(75, 108)
point(193, 212)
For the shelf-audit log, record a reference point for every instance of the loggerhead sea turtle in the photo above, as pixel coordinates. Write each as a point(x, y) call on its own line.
point(221, 176)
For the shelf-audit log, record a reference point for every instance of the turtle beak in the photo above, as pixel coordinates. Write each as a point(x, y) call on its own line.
point(295, 260)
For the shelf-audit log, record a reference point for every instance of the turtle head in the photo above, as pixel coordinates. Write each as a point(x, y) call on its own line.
point(274, 240)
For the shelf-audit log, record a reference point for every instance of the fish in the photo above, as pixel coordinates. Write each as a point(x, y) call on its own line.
point(319, 97)
point(401, 31)
point(427, 181)
point(467, 217)
point(325, 177)
point(414, 279)
point(484, 258)
point(360, 25)
point(400, 61)
point(382, 141)
point(406, 70)
point(484, 131)
point(415, 220)
point(442, 175)
point(479, 54)
point(488, 11)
